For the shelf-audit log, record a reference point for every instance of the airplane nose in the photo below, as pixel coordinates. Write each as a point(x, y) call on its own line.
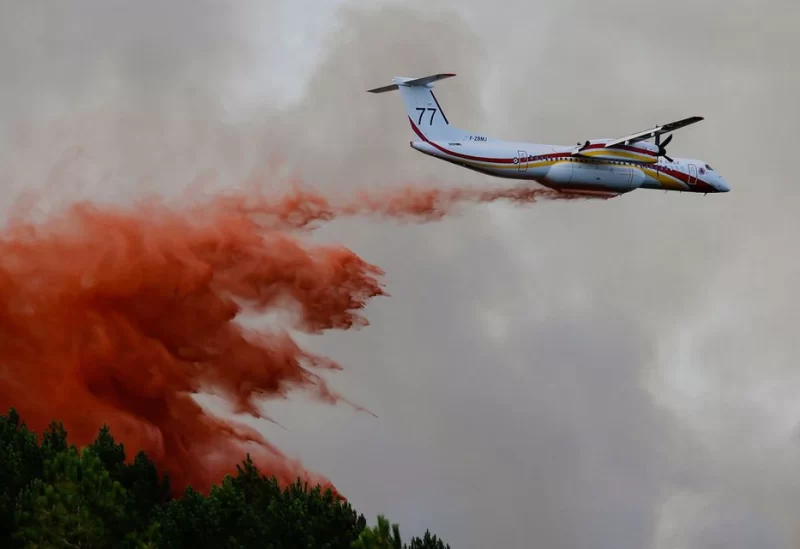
point(722, 186)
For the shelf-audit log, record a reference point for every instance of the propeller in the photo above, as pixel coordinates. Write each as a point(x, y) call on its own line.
point(586, 144)
point(662, 147)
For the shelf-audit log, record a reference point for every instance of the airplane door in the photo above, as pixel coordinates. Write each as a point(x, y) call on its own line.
point(522, 163)
point(692, 174)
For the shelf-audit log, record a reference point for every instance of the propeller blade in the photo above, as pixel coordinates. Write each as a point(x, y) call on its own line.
point(662, 147)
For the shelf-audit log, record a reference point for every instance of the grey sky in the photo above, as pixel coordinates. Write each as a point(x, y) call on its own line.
point(587, 374)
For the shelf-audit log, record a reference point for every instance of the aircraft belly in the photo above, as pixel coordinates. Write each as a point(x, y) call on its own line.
point(648, 181)
point(638, 178)
point(559, 174)
point(617, 177)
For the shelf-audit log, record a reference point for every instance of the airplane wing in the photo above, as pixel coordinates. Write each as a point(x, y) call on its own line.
point(658, 130)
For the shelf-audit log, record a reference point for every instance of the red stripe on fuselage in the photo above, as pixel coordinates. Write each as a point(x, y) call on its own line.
point(511, 160)
point(682, 177)
point(453, 153)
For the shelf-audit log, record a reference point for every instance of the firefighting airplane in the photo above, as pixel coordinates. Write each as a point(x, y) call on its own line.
point(600, 167)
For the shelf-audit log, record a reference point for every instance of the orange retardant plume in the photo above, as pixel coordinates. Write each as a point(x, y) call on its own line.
point(118, 316)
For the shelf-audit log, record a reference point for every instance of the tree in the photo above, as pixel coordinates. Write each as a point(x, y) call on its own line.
point(54, 440)
point(144, 489)
point(379, 536)
point(427, 542)
point(251, 510)
point(75, 504)
point(21, 462)
point(53, 494)
point(111, 454)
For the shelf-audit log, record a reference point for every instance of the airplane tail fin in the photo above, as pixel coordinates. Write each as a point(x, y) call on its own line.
point(424, 112)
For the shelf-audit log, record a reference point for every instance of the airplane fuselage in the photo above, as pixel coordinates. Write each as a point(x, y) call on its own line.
point(592, 169)
point(605, 167)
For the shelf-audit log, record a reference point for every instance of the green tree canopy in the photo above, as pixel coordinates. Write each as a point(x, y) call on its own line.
point(53, 494)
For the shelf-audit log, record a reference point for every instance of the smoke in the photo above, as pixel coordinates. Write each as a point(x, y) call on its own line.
point(120, 315)
point(582, 375)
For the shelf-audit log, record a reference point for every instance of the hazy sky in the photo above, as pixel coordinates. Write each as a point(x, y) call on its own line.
point(613, 374)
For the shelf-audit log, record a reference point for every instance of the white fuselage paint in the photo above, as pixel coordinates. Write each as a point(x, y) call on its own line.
point(606, 167)
point(597, 170)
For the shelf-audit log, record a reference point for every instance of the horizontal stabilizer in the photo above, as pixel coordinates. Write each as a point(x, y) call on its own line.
point(423, 81)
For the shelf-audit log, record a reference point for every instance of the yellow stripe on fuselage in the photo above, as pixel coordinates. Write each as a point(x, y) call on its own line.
point(532, 164)
point(494, 166)
point(664, 179)
point(622, 154)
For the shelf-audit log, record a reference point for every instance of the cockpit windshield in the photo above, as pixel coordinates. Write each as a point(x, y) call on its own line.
point(709, 168)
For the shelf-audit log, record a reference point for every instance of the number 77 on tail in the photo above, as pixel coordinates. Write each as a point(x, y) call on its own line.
point(604, 167)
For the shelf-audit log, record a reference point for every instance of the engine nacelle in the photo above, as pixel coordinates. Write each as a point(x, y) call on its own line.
point(641, 151)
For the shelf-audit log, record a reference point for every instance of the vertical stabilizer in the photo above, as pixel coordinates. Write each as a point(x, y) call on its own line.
point(423, 109)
